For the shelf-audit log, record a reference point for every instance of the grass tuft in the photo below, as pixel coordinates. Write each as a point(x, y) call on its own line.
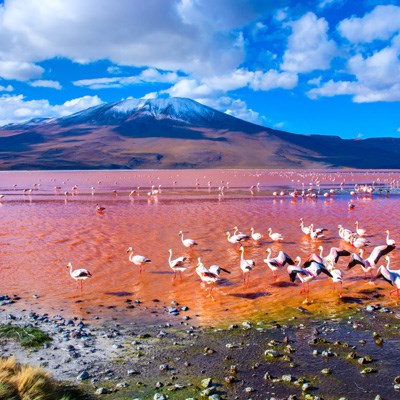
point(24, 382)
point(28, 337)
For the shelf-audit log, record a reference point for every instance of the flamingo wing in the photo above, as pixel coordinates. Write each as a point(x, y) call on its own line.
point(385, 274)
point(378, 252)
point(294, 270)
point(336, 252)
point(355, 259)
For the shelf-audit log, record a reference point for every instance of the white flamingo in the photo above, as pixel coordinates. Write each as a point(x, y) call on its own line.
point(234, 239)
point(246, 266)
point(79, 274)
point(307, 274)
point(207, 277)
point(137, 259)
point(368, 264)
point(255, 235)
point(391, 276)
point(389, 242)
point(278, 262)
point(178, 264)
point(241, 235)
point(360, 232)
point(276, 237)
point(305, 229)
point(189, 243)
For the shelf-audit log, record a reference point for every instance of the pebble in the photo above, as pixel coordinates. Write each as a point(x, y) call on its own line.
point(101, 390)
point(83, 375)
point(160, 396)
point(205, 383)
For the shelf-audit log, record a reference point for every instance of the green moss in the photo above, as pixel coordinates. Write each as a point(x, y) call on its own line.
point(28, 337)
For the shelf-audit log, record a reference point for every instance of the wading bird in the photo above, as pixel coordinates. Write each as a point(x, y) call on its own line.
point(369, 263)
point(137, 259)
point(79, 274)
point(177, 265)
point(391, 276)
point(246, 266)
point(278, 262)
point(189, 243)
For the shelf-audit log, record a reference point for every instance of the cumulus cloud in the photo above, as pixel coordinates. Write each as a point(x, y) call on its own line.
point(7, 88)
point(18, 109)
point(20, 71)
point(273, 79)
point(149, 75)
point(309, 47)
point(376, 78)
point(381, 23)
point(46, 84)
point(200, 37)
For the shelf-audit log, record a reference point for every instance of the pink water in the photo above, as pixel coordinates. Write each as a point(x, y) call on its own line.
point(43, 230)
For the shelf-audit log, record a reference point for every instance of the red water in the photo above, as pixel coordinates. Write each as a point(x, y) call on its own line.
point(43, 230)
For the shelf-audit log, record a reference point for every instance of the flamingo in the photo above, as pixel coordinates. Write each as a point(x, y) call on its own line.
point(278, 262)
point(207, 277)
point(241, 235)
point(178, 264)
point(305, 229)
point(100, 209)
point(391, 276)
point(255, 235)
point(360, 232)
point(246, 266)
point(79, 274)
point(189, 243)
point(216, 269)
point(234, 238)
point(276, 237)
point(389, 242)
point(306, 274)
point(369, 263)
point(330, 260)
point(137, 259)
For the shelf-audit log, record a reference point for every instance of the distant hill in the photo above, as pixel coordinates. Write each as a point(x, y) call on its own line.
point(177, 133)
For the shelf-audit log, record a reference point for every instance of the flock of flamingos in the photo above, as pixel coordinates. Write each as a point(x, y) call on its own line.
point(315, 264)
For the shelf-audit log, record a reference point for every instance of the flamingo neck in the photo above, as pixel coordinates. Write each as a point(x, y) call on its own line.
point(298, 262)
point(170, 256)
point(388, 264)
point(241, 256)
point(387, 235)
point(321, 251)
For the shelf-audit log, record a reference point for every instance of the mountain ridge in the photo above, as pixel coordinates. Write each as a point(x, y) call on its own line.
point(177, 133)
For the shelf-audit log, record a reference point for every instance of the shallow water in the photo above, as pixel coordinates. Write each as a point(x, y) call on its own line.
point(43, 229)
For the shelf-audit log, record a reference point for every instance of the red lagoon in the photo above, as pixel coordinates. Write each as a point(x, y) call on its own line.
point(51, 218)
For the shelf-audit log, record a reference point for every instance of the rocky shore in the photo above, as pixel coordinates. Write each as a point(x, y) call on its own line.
point(352, 357)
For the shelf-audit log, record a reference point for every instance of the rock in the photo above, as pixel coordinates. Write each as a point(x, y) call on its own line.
point(267, 376)
point(287, 378)
point(83, 375)
point(270, 353)
point(306, 386)
point(101, 390)
point(368, 370)
point(160, 396)
point(326, 371)
point(163, 367)
point(121, 385)
point(208, 391)
point(249, 389)
point(214, 397)
point(247, 324)
point(370, 308)
point(397, 387)
point(205, 383)
point(397, 379)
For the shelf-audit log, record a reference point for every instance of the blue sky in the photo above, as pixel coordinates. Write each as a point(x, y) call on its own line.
point(313, 67)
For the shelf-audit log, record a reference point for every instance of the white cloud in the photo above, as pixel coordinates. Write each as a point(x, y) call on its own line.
point(20, 71)
point(379, 71)
point(381, 23)
point(273, 79)
point(328, 3)
point(149, 75)
point(309, 47)
point(199, 37)
point(46, 83)
point(7, 88)
point(18, 109)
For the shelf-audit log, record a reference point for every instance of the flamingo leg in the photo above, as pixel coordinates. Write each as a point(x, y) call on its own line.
point(174, 276)
point(180, 274)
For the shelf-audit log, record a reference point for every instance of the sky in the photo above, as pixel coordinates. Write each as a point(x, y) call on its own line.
point(311, 67)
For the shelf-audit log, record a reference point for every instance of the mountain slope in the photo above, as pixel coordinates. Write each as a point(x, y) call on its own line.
point(177, 133)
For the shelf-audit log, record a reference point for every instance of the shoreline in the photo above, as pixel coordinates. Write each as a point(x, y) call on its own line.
point(252, 359)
